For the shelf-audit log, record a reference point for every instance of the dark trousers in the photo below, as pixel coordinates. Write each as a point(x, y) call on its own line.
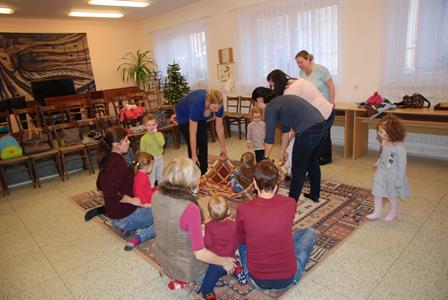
point(259, 155)
point(211, 277)
point(201, 143)
point(305, 158)
point(325, 155)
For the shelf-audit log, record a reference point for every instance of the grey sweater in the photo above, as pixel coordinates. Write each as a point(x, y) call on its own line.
point(291, 112)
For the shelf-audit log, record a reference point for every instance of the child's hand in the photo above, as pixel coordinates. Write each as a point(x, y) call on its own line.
point(283, 158)
point(249, 145)
point(229, 264)
point(173, 119)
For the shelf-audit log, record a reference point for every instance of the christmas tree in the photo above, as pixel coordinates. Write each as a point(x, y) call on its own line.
point(176, 86)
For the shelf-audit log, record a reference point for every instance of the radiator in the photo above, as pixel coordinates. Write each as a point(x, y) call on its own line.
point(417, 144)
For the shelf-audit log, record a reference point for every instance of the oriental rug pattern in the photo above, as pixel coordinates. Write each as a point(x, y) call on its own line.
point(341, 210)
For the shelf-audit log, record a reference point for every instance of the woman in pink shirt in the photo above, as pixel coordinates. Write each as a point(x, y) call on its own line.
point(179, 246)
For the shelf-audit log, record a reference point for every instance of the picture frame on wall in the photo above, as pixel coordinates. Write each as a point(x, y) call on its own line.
point(226, 72)
point(225, 56)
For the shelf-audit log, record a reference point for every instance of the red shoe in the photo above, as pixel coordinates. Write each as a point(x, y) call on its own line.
point(177, 284)
point(210, 296)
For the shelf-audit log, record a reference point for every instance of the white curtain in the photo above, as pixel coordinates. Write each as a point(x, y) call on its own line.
point(185, 44)
point(415, 49)
point(270, 35)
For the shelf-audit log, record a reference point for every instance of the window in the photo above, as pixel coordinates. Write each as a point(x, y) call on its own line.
point(185, 44)
point(270, 36)
point(416, 49)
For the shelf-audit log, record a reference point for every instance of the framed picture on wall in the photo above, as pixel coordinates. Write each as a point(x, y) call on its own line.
point(226, 72)
point(225, 56)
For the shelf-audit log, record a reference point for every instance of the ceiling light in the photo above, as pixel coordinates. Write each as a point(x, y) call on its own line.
point(119, 3)
point(91, 14)
point(6, 10)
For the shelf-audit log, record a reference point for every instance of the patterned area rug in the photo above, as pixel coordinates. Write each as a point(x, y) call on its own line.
point(341, 210)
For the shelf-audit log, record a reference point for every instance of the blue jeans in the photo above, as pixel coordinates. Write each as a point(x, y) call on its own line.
point(304, 240)
point(211, 277)
point(305, 157)
point(140, 220)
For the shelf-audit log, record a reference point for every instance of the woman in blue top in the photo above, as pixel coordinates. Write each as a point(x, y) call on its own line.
point(192, 113)
point(321, 78)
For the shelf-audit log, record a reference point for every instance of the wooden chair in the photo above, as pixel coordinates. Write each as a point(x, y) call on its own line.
point(99, 107)
point(245, 109)
point(26, 119)
point(211, 123)
point(78, 106)
point(153, 101)
point(53, 114)
point(168, 128)
point(86, 127)
point(120, 102)
point(67, 149)
point(233, 115)
point(24, 159)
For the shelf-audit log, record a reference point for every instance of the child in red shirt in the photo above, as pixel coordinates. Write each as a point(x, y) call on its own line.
point(144, 163)
point(220, 238)
point(142, 189)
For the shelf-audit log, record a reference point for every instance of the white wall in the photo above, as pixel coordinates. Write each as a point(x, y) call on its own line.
point(360, 40)
point(108, 41)
point(360, 50)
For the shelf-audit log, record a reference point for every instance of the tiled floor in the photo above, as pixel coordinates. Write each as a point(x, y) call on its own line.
point(49, 252)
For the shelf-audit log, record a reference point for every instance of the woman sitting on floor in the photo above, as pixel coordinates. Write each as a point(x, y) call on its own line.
point(272, 255)
point(115, 180)
point(179, 246)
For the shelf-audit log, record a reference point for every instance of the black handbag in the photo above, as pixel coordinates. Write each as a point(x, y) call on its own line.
point(414, 101)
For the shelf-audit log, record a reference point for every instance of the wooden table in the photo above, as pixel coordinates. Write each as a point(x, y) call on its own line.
point(356, 125)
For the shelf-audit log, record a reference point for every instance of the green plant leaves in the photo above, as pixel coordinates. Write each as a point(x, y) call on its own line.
point(138, 67)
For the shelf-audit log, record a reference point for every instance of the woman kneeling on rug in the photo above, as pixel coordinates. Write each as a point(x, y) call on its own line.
point(179, 246)
point(271, 254)
point(115, 180)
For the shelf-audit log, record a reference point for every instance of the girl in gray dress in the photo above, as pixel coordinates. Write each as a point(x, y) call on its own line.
point(390, 178)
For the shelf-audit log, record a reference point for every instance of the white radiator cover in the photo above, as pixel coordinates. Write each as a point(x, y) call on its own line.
point(417, 144)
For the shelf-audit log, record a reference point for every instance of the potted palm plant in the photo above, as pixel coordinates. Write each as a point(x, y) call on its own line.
point(138, 67)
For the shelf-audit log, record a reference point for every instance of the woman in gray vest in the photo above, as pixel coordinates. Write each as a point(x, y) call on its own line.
point(179, 246)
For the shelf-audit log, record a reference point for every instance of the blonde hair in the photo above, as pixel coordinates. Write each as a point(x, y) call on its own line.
point(217, 208)
point(142, 160)
point(255, 110)
point(149, 117)
point(305, 55)
point(214, 97)
point(182, 173)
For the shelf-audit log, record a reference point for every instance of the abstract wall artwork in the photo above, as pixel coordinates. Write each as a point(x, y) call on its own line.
point(25, 57)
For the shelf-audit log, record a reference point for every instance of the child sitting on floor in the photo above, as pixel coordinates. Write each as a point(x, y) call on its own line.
point(220, 238)
point(245, 173)
point(142, 189)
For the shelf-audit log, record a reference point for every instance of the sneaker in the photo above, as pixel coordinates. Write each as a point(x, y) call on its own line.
point(210, 296)
point(133, 243)
point(96, 211)
point(324, 162)
point(177, 284)
point(240, 276)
